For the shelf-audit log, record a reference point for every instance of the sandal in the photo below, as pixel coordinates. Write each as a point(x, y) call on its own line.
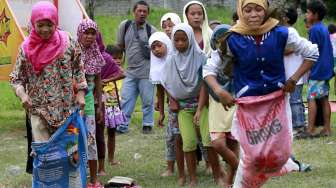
point(306, 135)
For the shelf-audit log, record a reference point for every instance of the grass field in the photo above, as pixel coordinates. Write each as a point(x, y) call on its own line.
point(321, 153)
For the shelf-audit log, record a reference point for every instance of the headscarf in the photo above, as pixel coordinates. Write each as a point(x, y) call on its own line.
point(242, 26)
point(38, 51)
point(172, 16)
point(181, 76)
point(110, 69)
point(218, 32)
point(206, 30)
point(91, 56)
point(157, 64)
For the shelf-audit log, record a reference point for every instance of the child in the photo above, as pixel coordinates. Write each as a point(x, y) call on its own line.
point(322, 71)
point(182, 81)
point(47, 64)
point(168, 21)
point(93, 61)
point(259, 81)
point(113, 114)
point(332, 31)
point(292, 62)
point(110, 70)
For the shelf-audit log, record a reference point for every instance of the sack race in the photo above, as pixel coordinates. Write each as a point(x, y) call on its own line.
point(61, 161)
point(263, 128)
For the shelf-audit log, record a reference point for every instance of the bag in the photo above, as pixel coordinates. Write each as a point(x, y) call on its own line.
point(145, 48)
point(54, 164)
point(262, 126)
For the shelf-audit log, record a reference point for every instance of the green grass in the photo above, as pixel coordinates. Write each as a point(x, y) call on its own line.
point(321, 153)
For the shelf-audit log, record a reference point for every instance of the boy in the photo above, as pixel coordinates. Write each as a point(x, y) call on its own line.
point(322, 71)
point(292, 63)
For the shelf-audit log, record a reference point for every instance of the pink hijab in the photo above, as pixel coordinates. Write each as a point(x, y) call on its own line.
point(40, 52)
point(91, 56)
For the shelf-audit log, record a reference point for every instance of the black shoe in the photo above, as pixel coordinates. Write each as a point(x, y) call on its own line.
point(147, 130)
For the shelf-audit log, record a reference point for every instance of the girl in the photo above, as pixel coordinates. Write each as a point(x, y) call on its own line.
point(182, 81)
point(195, 15)
point(93, 61)
point(258, 75)
point(47, 64)
point(113, 71)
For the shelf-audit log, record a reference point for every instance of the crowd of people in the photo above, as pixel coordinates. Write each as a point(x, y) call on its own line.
point(233, 91)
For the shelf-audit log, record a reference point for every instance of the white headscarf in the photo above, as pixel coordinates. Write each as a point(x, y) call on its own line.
point(172, 16)
point(158, 63)
point(206, 30)
point(181, 76)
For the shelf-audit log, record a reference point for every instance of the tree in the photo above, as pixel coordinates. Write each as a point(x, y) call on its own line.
point(90, 8)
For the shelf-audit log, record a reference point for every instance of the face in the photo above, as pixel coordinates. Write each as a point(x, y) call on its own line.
point(88, 37)
point(254, 15)
point(195, 15)
point(159, 49)
point(167, 27)
point(45, 29)
point(311, 17)
point(140, 14)
point(181, 41)
point(118, 58)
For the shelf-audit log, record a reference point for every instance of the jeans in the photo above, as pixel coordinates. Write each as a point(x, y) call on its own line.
point(131, 89)
point(297, 107)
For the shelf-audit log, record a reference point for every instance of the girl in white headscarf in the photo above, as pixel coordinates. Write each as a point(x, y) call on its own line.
point(168, 21)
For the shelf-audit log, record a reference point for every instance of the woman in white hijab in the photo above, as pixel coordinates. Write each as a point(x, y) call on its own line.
point(168, 21)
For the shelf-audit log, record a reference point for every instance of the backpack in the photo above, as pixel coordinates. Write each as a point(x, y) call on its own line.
point(143, 44)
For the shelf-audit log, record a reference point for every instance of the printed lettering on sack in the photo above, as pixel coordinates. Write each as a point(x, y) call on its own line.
point(261, 135)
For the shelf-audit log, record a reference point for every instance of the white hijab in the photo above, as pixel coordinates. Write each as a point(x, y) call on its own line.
point(181, 77)
point(206, 30)
point(172, 16)
point(156, 66)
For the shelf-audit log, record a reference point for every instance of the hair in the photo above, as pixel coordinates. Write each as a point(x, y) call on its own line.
point(332, 28)
point(114, 50)
point(141, 3)
point(317, 7)
point(292, 15)
point(187, 9)
point(235, 16)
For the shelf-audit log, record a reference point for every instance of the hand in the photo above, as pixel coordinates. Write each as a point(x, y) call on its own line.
point(290, 85)
point(26, 101)
point(161, 119)
point(197, 117)
point(225, 98)
point(80, 100)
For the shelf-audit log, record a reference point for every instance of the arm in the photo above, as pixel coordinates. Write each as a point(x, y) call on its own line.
point(161, 96)
point(121, 35)
point(308, 51)
point(202, 101)
point(18, 79)
point(120, 76)
point(98, 92)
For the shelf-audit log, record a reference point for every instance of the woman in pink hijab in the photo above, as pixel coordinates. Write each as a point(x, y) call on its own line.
point(47, 68)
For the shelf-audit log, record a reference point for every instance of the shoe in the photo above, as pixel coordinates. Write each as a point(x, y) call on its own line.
point(303, 167)
point(147, 130)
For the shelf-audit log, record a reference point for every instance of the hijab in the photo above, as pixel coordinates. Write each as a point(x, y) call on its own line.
point(157, 64)
point(91, 56)
point(172, 16)
point(110, 69)
point(181, 76)
point(242, 27)
point(41, 52)
point(206, 30)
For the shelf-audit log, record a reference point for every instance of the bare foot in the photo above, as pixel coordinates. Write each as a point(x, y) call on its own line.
point(167, 173)
point(113, 163)
point(101, 173)
point(181, 181)
point(193, 184)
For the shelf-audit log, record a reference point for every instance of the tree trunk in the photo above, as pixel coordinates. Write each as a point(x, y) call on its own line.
point(90, 8)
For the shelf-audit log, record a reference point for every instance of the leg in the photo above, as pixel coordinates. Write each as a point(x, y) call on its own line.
point(129, 95)
point(180, 160)
point(189, 139)
point(29, 166)
point(215, 166)
point(311, 116)
point(146, 89)
point(170, 149)
point(297, 107)
point(111, 145)
point(326, 116)
point(92, 147)
point(100, 139)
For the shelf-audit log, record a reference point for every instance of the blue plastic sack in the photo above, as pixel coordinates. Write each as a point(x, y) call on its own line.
point(53, 164)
